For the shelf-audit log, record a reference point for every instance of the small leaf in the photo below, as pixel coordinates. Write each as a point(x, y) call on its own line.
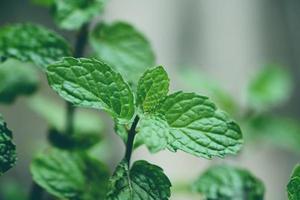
point(16, 79)
point(142, 181)
point(153, 131)
point(92, 84)
point(123, 47)
point(87, 125)
point(198, 127)
point(28, 42)
point(229, 183)
point(70, 14)
point(153, 88)
point(70, 175)
point(271, 87)
point(8, 155)
point(293, 187)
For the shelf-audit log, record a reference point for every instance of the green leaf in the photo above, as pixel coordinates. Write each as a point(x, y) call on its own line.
point(16, 79)
point(87, 125)
point(28, 42)
point(271, 87)
point(153, 131)
point(70, 175)
point(293, 187)
point(280, 131)
point(142, 181)
point(198, 127)
point(123, 47)
point(229, 183)
point(45, 3)
point(70, 14)
point(152, 89)
point(8, 155)
point(93, 84)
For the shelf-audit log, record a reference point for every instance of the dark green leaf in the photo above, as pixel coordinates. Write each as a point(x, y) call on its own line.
point(229, 183)
point(143, 181)
point(124, 48)
point(198, 127)
point(72, 14)
point(16, 79)
point(87, 125)
point(70, 175)
point(28, 42)
point(8, 155)
point(293, 187)
point(93, 84)
point(271, 86)
point(152, 89)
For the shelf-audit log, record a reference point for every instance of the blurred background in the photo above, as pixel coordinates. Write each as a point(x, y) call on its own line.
point(207, 46)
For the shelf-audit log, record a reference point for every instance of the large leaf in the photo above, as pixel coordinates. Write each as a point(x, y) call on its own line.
point(271, 86)
point(229, 183)
point(93, 84)
point(87, 125)
point(16, 79)
point(8, 155)
point(72, 14)
point(143, 181)
point(28, 42)
point(293, 187)
point(153, 88)
point(198, 127)
point(123, 47)
point(69, 175)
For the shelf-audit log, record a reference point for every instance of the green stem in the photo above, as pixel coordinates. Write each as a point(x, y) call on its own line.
point(130, 140)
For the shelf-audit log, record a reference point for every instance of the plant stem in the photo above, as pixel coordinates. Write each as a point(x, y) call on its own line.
point(36, 192)
point(80, 44)
point(130, 140)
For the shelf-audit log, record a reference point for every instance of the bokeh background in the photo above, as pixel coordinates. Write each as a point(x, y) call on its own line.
point(228, 41)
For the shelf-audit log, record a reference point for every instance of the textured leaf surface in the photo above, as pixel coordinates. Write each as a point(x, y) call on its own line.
point(87, 125)
point(229, 183)
point(123, 47)
point(8, 155)
point(93, 84)
point(293, 187)
point(198, 127)
point(153, 131)
point(153, 88)
point(16, 79)
point(271, 86)
point(70, 14)
point(70, 175)
point(143, 181)
point(28, 42)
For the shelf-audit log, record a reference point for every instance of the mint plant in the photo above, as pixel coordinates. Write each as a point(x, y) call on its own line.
point(293, 187)
point(121, 78)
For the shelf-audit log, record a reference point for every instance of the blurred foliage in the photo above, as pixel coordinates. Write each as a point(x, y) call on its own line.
point(12, 190)
point(17, 79)
point(293, 187)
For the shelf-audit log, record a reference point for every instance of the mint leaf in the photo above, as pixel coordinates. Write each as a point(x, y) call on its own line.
point(70, 14)
point(197, 127)
point(28, 42)
point(153, 131)
point(271, 87)
point(293, 187)
point(16, 79)
point(152, 89)
point(92, 84)
point(142, 181)
point(70, 175)
point(123, 47)
point(228, 183)
point(87, 125)
point(8, 155)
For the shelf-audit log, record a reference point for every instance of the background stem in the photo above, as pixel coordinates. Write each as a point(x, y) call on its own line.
point(130, 140)
point(36, 192)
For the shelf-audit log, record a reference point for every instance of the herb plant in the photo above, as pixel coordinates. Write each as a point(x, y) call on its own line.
point(121, 78)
